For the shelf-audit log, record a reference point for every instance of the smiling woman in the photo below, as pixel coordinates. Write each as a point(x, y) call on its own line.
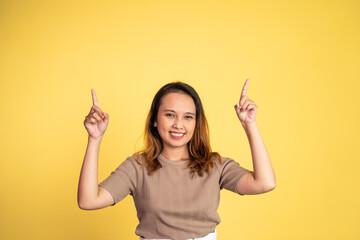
point(176, 179)
point(175, 123)
point(177, 128)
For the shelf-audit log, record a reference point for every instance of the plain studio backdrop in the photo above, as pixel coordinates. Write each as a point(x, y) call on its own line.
point(302, 58)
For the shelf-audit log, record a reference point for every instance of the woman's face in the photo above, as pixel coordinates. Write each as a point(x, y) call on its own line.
point(176, 120)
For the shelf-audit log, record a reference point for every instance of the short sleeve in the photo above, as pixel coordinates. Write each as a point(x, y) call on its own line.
point(122, 181)
point(231, 173)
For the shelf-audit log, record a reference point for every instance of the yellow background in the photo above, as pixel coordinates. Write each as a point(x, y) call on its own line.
point(302, 58)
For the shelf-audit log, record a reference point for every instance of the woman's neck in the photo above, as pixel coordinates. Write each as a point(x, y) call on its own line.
point(176, 154)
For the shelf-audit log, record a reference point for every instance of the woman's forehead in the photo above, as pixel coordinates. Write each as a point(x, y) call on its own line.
point(177, 102)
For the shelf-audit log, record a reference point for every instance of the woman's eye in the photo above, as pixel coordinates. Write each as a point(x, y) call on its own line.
point(169, 114)
point(189, 117)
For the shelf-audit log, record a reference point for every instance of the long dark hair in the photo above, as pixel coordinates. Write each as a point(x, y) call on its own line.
point(202, 158)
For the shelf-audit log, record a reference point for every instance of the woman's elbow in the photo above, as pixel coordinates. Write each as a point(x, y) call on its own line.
point(83, 205)
point(269, 187)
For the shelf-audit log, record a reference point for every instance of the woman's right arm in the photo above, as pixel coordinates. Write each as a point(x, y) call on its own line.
point(90, 195)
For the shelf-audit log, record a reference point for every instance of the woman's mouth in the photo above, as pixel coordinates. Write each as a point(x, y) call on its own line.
point(177, 135)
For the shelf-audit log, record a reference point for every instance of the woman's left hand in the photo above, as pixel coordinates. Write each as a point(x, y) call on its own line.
point(246, 109)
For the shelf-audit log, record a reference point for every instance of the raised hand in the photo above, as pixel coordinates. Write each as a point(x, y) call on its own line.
point(96, 121)
point(246, 109)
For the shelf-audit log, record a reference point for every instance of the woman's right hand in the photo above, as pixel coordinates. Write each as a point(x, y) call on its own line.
point(96, 121)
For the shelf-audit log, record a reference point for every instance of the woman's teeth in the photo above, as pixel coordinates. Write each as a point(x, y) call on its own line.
point(177, 134)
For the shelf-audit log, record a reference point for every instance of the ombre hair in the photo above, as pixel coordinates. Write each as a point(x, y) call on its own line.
point(201, 156)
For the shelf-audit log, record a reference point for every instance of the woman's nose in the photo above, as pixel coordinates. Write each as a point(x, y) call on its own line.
point(178, 124)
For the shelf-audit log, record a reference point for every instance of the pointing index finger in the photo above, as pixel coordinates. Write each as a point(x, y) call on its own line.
point(94, 98)
point(243, 92)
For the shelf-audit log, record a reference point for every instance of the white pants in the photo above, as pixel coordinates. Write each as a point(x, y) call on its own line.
point(210, 236)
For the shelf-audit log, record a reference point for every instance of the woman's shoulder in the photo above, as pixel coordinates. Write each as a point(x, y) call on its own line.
point(132, 163)
point(221, 161)
point(138, 158)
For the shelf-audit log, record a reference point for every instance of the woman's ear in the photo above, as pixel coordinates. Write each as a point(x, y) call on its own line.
point(155, 124)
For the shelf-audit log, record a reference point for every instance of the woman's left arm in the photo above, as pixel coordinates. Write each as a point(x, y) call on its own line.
point(262, 179)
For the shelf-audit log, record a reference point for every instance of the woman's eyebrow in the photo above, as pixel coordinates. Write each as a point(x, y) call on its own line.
point(169, 110)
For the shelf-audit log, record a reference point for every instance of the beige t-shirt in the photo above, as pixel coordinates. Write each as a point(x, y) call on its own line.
point(169, 203)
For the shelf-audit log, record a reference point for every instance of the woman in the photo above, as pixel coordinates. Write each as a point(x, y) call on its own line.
point(176, 180)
